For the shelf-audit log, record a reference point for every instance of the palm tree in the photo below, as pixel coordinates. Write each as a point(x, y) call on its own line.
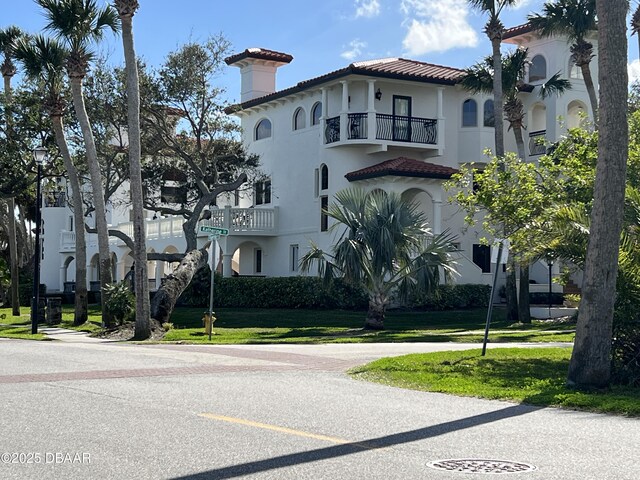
point(44, 61)
point(79, 23)
point(495, 30)
point(8, 38)
point(126, 10)
point(479, 79)
point(590, 364)
point(575, 19)
point(385, 247)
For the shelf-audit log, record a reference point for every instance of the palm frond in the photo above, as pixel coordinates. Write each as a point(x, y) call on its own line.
point(554, 86)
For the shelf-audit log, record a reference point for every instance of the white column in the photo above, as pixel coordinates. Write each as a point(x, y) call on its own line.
point(437, 217)
point(325, 114)
point(63, 277)
point(441, 122)
point(159, 272)
point(226, 264)
point(371, 110)
point(344, 112)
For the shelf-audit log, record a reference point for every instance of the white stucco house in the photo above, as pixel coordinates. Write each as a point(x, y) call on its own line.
point(393, 124)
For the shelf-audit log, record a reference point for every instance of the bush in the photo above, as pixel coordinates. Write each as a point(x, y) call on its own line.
point(542, 298)
point(272, 292)
point(450, 297)
point(120, 303)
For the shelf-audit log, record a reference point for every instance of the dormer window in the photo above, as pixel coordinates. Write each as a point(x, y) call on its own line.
point(299, 119)
point(538, 69)
point(263, 129)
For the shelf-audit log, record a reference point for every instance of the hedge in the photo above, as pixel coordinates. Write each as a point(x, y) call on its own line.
point(310, 292)
point(451, 297)
point(273, 292)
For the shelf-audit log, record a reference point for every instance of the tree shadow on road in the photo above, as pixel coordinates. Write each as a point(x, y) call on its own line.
point(342, 450)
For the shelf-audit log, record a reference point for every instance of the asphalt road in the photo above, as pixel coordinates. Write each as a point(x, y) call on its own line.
point(111, 411)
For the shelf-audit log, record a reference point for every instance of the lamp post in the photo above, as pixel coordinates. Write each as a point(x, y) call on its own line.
point(39, 155)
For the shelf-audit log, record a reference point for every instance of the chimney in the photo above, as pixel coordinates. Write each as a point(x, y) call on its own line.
point(258, 71)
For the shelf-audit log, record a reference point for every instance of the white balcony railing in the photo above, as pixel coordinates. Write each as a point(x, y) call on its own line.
point(245, 221)
point(67, 241)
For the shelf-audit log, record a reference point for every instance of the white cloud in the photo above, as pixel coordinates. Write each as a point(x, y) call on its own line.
point(437, 26)
point(634, 71)
point(521, 4)
point(367, 8)
point(355, 49)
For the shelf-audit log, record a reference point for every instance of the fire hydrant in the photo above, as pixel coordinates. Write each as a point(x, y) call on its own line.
point(208, 320)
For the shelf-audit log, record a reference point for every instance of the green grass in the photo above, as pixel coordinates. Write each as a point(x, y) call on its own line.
point(236, 326)
point(338, 326)
point(534, 376)
point(22, 324)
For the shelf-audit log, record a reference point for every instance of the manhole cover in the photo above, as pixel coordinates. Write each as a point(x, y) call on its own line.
point(481, 466)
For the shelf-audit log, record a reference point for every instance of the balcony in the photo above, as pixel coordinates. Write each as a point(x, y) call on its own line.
point(387, 129)
point(537, 143)
point(67, 241)
point(245, 221)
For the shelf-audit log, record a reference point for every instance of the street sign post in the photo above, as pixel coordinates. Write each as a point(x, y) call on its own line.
point(214, 234)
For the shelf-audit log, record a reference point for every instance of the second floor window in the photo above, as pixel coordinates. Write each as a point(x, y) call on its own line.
point(299, 120)
point(324, 177)
point(262, 192)
point(489, 120)
point(316, 113)
point(538, 69)
point(263, 129)
point(469, 113)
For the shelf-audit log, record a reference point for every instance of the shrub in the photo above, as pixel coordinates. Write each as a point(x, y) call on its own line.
point(449, 297)
point(120, 303)
point(272, 292)
point(542, 298)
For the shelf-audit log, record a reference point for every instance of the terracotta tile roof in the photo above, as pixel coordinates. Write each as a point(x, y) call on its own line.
point(261, 53)
point(395, 68)
point(516, 31)
point(402, 167)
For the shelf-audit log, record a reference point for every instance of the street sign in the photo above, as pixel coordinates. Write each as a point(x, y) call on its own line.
point(215, 230)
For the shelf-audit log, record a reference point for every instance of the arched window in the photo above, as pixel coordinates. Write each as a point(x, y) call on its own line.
point(263, 129)
point(316, 113)
point(489, 120)
point(324, 177)
point(574, 70)
point(299, 119)
point(470, 113)
point(538, 69)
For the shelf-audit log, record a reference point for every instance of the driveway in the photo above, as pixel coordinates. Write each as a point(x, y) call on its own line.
point(78, 409)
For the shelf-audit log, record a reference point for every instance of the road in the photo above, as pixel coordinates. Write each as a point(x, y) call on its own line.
point(81, 409)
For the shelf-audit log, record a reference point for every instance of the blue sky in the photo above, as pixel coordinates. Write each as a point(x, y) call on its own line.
point(322, 36)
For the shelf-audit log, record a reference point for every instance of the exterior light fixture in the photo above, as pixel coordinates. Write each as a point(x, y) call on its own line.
point(378, 94)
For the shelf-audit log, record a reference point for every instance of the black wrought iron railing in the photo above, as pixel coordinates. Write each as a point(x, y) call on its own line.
point(406, 129)
point(537, 143)
point(357, 126)
point(332, 130)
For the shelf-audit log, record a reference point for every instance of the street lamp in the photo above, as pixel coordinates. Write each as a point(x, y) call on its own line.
point(39, 156)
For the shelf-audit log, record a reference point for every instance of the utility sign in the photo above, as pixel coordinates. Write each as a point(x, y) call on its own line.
point(214, 230)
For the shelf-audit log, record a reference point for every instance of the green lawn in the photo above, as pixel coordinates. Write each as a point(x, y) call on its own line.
point(534, 375)
point(339, 326)
point(236, 325)
point(20, 327)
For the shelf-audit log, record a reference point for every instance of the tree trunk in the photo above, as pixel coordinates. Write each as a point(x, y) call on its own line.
point(524, 310)
point(164, 301)
point(590, 365)
point(11, 217)
point(517, 132)
point(13, 257)
point(375, 314)
point(98, 194)
point(142, 326)
point(591, 90)
point(81, 300)
point(511, 292)
point(498, 106)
